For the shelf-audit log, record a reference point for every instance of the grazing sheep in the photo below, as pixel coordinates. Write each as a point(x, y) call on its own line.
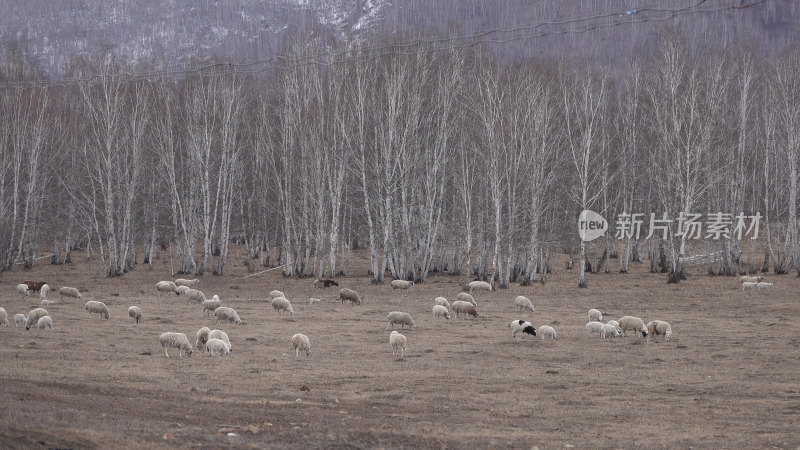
point(34, 315)
point(183, 282)
point(135, 313)
point(547, 332)
point(464, 297)
point(441, 301)
point(276, 294)
point(401, 284)
point(595, 316)
point(749, 285)
point(349, 295)
point(175, 340)
point(280, 304)
point(202, 338)
point(324, 283)
point(398, 343)
point(70, 292)
point(222, 336)
point(45, 323)
point(19, 320)
point(95, 307)
point(440, 311)
point(462, 307)
point(211, 304)
point(313, 300)
point(751, 279)
point(34, 286)
point(301, 342)
point(226, 314)
point(194, 294)
point(594, 327)
point(660, 328)
point(479, 286)
point(181, 290)
point(46, 302)
point(217, 347)
point(166, 286)
point(44, 290)
point(23, 290)
point(608, 330)
point(522, 326)
point(615, 323)
point(4, 317)
point(629, 323)
point(402, 318)
point(763, 287)
point(523, 303)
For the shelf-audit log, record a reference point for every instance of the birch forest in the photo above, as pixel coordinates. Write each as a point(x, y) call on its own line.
point(453, 161)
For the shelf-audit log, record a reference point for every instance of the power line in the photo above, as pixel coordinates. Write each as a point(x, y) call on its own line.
point(279, 62)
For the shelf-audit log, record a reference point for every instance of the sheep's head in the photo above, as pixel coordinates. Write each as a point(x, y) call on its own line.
point(644, 332)
point(447, 315)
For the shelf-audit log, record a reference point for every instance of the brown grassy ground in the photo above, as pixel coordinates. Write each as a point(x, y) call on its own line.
point(729, 378)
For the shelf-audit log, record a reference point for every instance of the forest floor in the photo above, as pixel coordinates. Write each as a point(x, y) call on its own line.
point(730, 377)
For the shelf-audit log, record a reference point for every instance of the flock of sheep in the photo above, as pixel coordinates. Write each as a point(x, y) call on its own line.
point(757, 283)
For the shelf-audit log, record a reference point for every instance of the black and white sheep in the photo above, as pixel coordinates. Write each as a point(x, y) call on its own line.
point(401, 284)
point(135, 313)
point(175, 340)
point(660, 328)
point(349, 295)
point(398, 343)
point(33, 317)
point(400, 318)
point(464, 297)
point(635, 324)
point(280, 304)
point(524, 303)
point(95, 307)
point(300, 343)
point(595, 315)
point(518, 326)
point(45, 323)
point(462, 307)
point(440, 311)
point(226, 314)
point(70, 292)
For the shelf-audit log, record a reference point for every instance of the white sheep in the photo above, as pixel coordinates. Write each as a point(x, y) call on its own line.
point(313, 301)
point(183, 282)
point(524, 303)
point(19, 320)
point(479, 286)
point(95, 307)
point(46, 302)
point(195, 295)
point(222, 336)
point(23, 290)
point(202, 338)
point(763, 287)
point(280, 304)
point(608, 330)
point(462, 307)
point(615, 323)
point(594, 327)
point(43, 291)
point(595, 315)
point(522, 326)
point(751, 279)
point(547, 332)
point(226, 314)
point(401, 318)
point(301, 342)
point(464, 297)
point(398, 343)
point(441, 301)
point(4, 317)
point(217, 347)
point(166, 286)
point(70, 292)
point(629, 323)
point(34, 315)
point(45, 323)
point(401, 284)
point(440, 311)
point(660, 328)
point(276, 294)
point(175, 340)
point(749, 285)
point(135, 313)
point(181, 290)
point(211, 304)
point(349, 295)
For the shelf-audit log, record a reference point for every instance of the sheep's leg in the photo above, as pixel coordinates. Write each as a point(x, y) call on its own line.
point(165, 351)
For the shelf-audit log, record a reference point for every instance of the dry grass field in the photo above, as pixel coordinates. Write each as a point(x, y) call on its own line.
point(730, 377)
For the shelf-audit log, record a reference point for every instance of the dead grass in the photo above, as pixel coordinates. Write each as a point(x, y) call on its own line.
point(729, 377)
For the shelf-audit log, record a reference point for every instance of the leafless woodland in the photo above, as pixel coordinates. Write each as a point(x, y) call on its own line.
point(453, 161)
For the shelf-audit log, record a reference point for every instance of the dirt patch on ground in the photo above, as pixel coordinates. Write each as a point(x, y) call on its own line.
point(728, 378)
